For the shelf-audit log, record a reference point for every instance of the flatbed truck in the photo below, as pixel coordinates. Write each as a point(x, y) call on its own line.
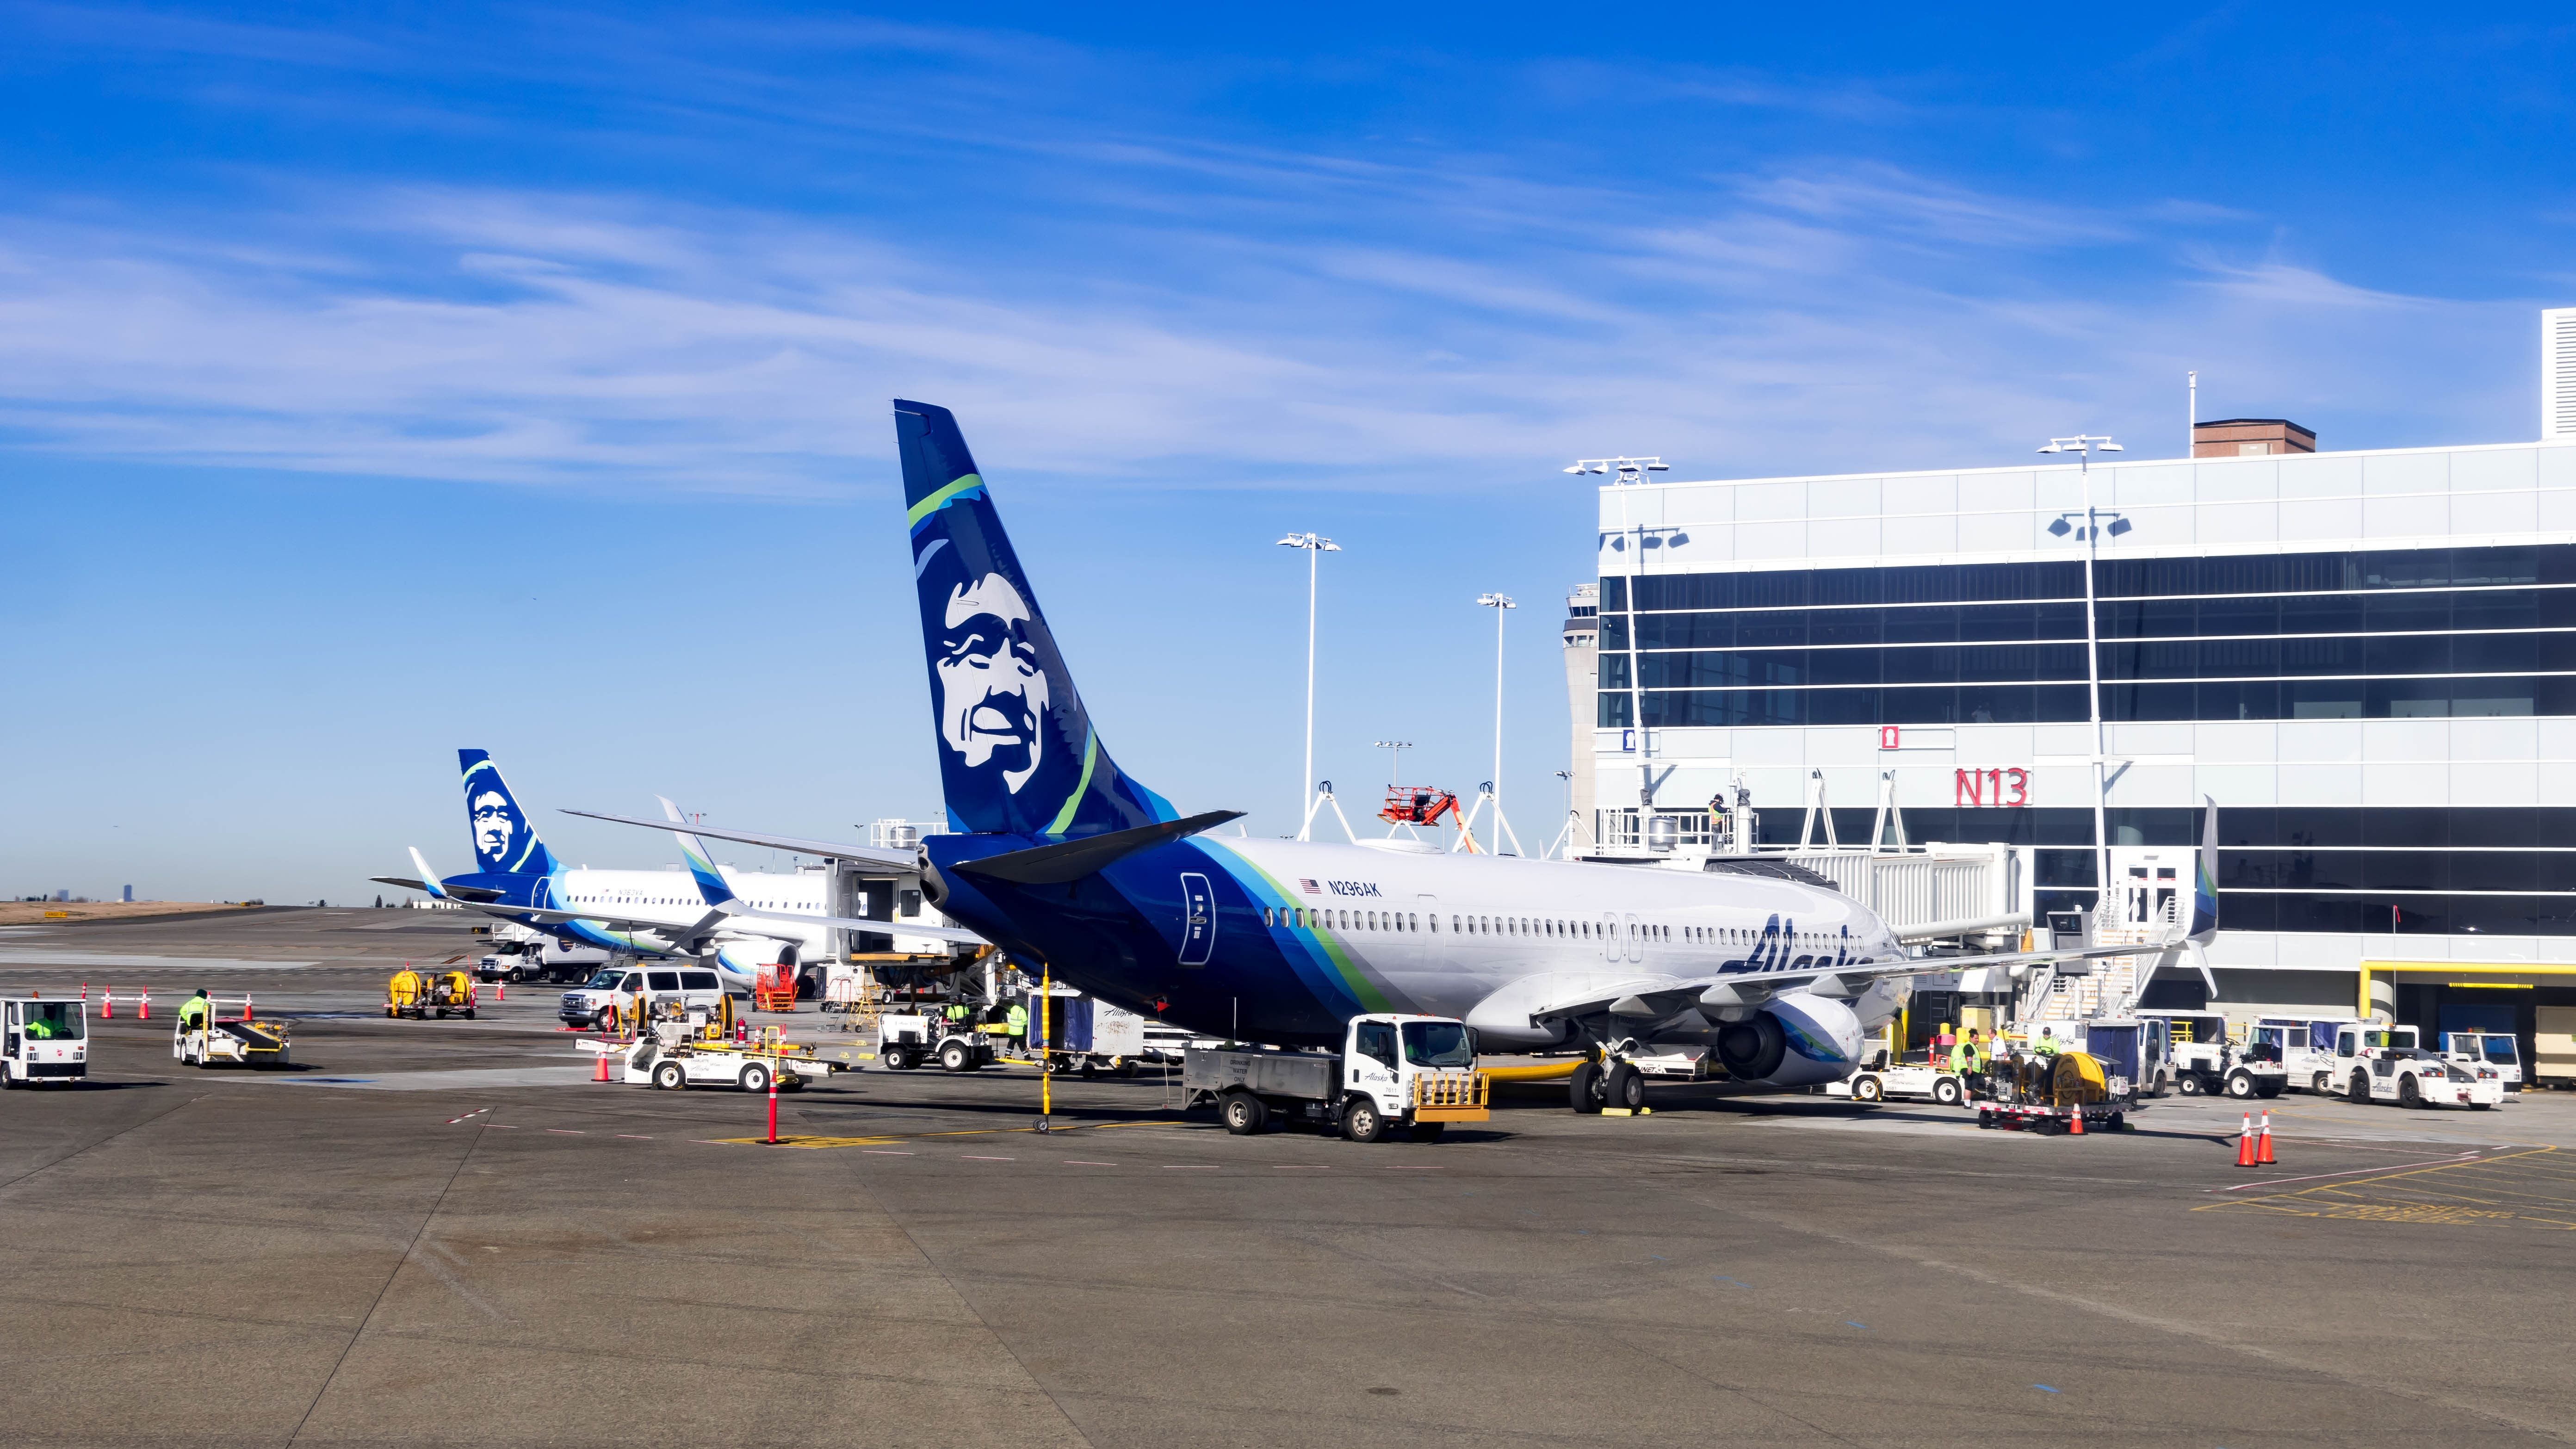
point(1413, 1074)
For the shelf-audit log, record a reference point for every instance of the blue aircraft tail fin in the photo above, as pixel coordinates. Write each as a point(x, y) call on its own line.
point(505, 838)
point(1017, 751)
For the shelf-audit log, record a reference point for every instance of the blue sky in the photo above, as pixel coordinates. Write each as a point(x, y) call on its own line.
point(378, 380)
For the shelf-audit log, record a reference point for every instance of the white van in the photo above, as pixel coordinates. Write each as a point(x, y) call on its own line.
point(598, 1002)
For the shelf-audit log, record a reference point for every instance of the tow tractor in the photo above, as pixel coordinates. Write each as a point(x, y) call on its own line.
point(2050, 1094)
point(1885, 1073)
point(42, 1041)
point(2206, 1063)
point(695, 1047)
point(1417, 1073)
point(2496, 1049)
point(240, 1040)
point(908, 1039)
point(2414, 1077)
point(418, 993)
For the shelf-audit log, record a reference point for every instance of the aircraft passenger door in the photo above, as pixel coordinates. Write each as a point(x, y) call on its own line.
point(1636, 941)
point(1198, 919)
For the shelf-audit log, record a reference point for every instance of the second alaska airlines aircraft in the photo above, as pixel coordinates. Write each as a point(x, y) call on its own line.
point(740, 920)
point(1062, 858)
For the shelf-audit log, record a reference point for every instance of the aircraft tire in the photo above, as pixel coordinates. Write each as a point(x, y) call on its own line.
point(1625, 1086)
point(1583, 1089)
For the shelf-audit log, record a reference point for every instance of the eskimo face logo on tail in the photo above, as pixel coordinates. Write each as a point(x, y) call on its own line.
point(992, 689)
point(497, 828)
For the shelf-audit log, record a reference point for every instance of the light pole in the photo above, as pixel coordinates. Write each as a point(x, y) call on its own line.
point(1501, 604)
point(1314, 545)
point(1395, 759)
point(2084, 447)
point(1627, 473)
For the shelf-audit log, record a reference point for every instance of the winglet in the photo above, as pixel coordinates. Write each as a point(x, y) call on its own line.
point(428, 877)
point(702, 867)
point(2204, 880)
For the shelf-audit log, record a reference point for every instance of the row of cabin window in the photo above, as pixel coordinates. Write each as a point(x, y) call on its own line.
point(676, 901)
point(1307, 918)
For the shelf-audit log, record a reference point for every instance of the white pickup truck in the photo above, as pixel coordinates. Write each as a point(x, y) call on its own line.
point(1417, 1073)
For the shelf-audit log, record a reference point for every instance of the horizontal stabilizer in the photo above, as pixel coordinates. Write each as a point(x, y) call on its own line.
point(395, 880)
point(1074, 859)
point(793, 845)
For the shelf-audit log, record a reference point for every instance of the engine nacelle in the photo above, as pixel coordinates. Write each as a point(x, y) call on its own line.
point(739, 963)
point(1793, 1041)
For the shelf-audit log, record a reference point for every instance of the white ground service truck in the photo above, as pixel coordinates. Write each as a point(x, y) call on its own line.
point(2496, 1049)
point(1416, 1074)
point(2319, 1052)
point(42, 1041)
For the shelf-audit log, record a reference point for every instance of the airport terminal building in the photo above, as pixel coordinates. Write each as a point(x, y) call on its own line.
point(2366, 659)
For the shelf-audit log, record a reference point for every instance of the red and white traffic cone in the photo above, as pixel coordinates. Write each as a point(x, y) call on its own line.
point(146, 1013)
point(2075, 1127)
point(603, 1068)
point(2263, 1144)
point(84, 993)
point(2245, 1142)
point(500, 988)
point(107, 1004)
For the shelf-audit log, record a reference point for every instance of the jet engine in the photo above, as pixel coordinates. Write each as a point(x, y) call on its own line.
point(1792, 1041)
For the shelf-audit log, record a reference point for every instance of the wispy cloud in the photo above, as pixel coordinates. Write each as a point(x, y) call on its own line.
point(1125, 295)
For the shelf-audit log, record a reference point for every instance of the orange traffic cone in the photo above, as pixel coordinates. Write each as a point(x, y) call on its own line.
point(501, 988)
point(2075, 1128)
point(147, 1003)
point(2263, 1144)
point(2245, 1142)
point(603, 1068)
point(107, 1004)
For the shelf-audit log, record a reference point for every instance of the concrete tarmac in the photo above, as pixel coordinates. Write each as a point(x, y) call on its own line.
point(438, 1233)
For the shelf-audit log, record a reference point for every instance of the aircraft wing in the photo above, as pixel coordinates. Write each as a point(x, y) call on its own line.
point(873, 927)
point(793, 845)
point(1657, 997)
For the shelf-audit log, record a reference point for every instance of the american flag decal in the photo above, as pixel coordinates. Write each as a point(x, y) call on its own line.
point(1309, 886)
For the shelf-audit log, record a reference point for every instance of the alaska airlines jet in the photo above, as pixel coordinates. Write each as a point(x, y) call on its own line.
point(744, 920)
point(1062, 858)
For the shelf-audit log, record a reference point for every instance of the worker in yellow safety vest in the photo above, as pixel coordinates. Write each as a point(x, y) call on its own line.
point(1963, 1054)
point(192, 1012)
point(2048, 1044)
point(1017, 1020)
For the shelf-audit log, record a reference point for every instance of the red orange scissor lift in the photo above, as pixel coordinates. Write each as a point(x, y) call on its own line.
point(1425, 805)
